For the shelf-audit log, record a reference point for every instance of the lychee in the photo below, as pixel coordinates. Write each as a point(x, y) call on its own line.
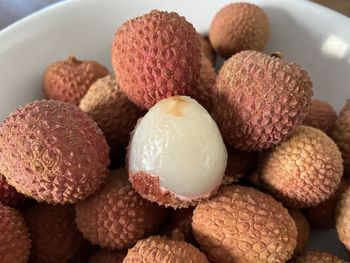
point(303, 229)
point(107, 256)
point(70, 79)
point(176, 155)
point(259, 100)
point(317, 257)
point(53, 152)
point(207, 49)
point(8, 194)
point(156, 56)
point(304, 170)
point(242, 224)
point(238, 27)
point(116, 216)
point(343, 219)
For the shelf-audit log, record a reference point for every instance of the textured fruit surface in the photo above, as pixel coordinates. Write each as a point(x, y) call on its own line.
point(303, 229)
point(317, 257)
point(343, 219)
point(207, 49)
point(176, 156)
point(53, 152)
point(156, 56)
point(304, 170)
point(156, 249)
point(8, 194)
point(14, 237)
point(341, 135)
point(106, 256)
point(70, 79)
point(259, 100)
point(242, 224)
point(112, 111)
point(323, 215)
point(321, 115)
point(116, 216)
point(54, 235)
point(237, 27)
point(203, 92)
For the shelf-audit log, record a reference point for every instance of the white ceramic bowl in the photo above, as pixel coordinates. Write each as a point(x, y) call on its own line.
point(314, 36)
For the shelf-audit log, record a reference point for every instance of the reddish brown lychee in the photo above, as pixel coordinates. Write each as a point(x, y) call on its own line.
point(53, 152)
point(321, 115)
point(242, 224)
point(107, 256)
point(207, 49)
point(317, 257)
point(70, 79)
point(237, 27)
point(116, 216)
point(156, 56)
point(8, 194)
point(259, 100)
point(303, 229)
point(343, 219)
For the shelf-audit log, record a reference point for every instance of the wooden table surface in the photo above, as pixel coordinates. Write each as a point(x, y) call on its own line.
point(12, 10)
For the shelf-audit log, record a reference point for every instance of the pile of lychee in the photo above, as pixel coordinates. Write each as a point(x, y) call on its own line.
point(170, 160)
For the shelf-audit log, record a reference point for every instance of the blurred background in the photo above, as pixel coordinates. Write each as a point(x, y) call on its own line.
point(12, 10)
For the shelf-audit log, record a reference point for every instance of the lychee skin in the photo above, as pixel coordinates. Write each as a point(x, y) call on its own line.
point(156, 56)
point(343, 219)
point(242, 224)
point(14, 239)
point(8, 194)
point(317, 257)
point(53, 152)
point(304, 170)
point(321, 115)
point(207, 49)
point(109, 107)
point(116, 216)
point(107, 256)
point(303, 229)
point(156, 249)
point(259, 100)
point(238, 27)
point(54, 235)
point(341, 135)
point(70, 79)
point(323, 215)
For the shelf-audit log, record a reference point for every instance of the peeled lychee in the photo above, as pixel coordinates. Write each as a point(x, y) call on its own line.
point(304, 170)
point(107, 256)
point(70, 79)
point(55, 238)
point(53, 152)
point(8, 194)
point(116, 216)
point(341, 135)
point(112, 111)
point(317, 257)
point(323, 215)
point(238, 27)
point(203, 92)
point(242, 224)
point(259, 100)
point(303, 229)
point(156, 249)
point(176, 155)
point(321, 115)
point(343, 219)
point(207, 49)
point(14, 237)
point(156, 56)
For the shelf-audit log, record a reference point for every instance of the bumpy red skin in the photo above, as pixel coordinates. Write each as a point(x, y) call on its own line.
point(343, 219)
point(237, 27)
point(70, 79)
point(207, 49)
point(106, 256)
point(53, 152)
point(54, 235)
point(156, 56)
point(14, 238)
point(317, 257)
point(8, 194)
point(116, 216)
point(321, 115)
point(323, 215)
point(259, 100)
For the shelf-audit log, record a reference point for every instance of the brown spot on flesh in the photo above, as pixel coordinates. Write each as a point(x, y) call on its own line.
point(176, 107)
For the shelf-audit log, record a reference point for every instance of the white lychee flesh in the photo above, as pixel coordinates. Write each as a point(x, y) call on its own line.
point(178, 142)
